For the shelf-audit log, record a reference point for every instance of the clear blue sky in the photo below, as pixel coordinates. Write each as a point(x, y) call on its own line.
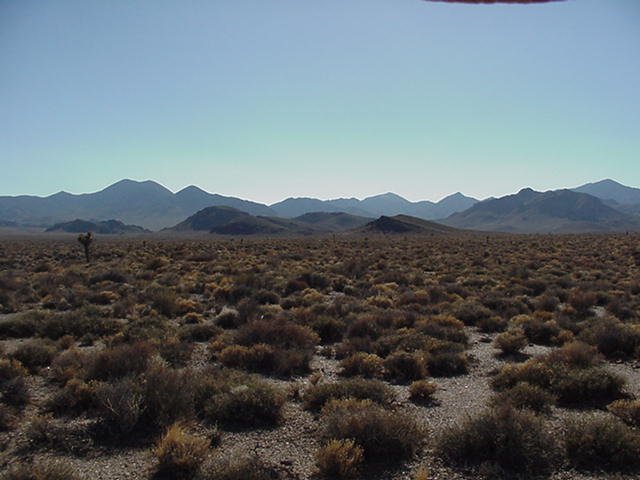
point(266, 99)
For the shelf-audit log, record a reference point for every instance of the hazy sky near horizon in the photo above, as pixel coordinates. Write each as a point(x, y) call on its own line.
point(270, 99)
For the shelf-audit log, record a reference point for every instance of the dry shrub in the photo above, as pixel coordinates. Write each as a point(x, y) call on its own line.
point(279, 333)
point(266, 359)
point(492, 324)
point(179, 453)
point(511, 442)
point(44, 432)
point(405, 367)
point(443, 327)
point(570, 373)
point(525, 395)
point(22, 325)
point(512, 341)
point(613, 338)
point(574, 355)
point(471, 312)
point(422, 473)
point(367, 365)
point(175, 352)
point(582, 301)
point(240, 467)
point(120, 406)
point(13, 386)
point(329, 329)
point(228, 318)
point(599, 443)
point(316, 396)
point(119, 361)
point(6, 418)
point(34, 354)
point(243, 402)
point(591, 386)
point(382, 434)
point(363, 327)
point(627, 410)
point(87, 322)
point(200, 332)
point(169, 395)
point(340, 459)
point(69, 364)
point(447, 363)
point(539, 329)
point(422, 391)
point(163, 299)
point(75, 396)
point(41, 471)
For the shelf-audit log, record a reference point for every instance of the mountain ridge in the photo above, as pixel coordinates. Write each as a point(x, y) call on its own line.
point(153, 206)
point(553, 211)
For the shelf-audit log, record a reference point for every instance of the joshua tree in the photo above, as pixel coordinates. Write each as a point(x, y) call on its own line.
point(86, 241)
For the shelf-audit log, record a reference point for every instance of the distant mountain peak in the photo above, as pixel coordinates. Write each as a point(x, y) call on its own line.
point(387, 196)
point(190, 190)
point(610, 190)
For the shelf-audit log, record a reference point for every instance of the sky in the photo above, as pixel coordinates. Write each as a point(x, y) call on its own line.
point(270, 99)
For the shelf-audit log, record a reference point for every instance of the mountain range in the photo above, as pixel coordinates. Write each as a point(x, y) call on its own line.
point(147, 204)
point(384, 204)
point(154, 207)
point(595, 207)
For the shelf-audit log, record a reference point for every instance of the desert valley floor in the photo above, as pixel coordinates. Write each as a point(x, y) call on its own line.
point(385, 357)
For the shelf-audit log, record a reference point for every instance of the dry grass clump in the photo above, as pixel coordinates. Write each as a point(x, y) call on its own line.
point(340, 459)
point(316, 396)
point(509, 442)
point(598, 443)
point(179, 453)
